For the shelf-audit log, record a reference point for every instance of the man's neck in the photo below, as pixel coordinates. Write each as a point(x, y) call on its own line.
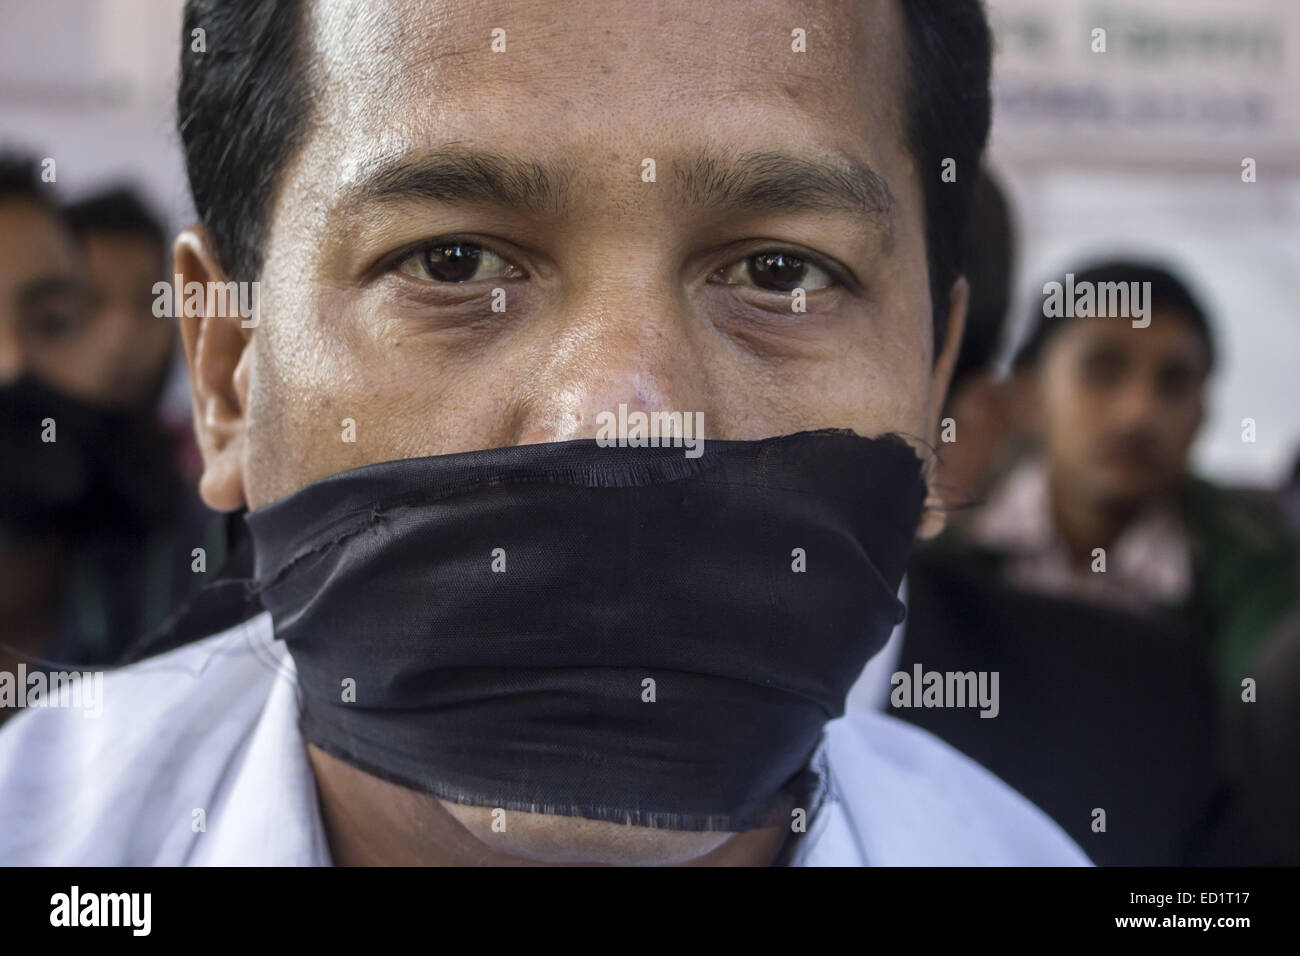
point(370, 822)
point(1087, 525)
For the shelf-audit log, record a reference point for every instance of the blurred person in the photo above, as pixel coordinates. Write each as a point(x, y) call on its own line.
point(981, 402)
point(97, 528)
point(485, 637)
point(42, 299)
point(1116, 409)
point(1117, 595)
point(124, 358)
point(1262, 748)
point(1262, 738)
point(130, 357)
point(1290, 494)
point(980, 406)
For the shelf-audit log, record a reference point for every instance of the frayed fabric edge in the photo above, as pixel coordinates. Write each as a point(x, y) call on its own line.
point(651, 819)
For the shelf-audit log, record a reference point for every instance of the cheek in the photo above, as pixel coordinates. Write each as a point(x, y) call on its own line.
point(1183, 425)
point(329, 391)
point(883, 373)
point(1070, 409)
point(75, 364)
point(898, 398)
point(301, 393)
point(873, 390)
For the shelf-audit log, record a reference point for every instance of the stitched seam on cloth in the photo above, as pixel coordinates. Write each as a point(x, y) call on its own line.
point(655, 819)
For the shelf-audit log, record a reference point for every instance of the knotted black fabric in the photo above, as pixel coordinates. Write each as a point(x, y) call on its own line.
point(614, 633)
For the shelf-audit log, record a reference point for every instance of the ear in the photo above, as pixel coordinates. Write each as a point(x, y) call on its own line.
point(218, 356)
point(934, 517)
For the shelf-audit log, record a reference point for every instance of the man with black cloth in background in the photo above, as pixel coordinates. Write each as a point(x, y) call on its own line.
point(98, 529)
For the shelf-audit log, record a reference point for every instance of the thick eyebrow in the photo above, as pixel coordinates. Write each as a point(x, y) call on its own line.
point(453, 173)
point(759, 180)
point(783, 181)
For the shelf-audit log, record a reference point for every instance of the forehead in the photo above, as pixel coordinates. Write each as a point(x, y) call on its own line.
point(584, 80)
point(1171, 335)
point(122, 248)
point(32, 242)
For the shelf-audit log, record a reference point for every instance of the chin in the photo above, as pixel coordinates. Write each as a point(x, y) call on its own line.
point(1127, 489)
point(550, 839)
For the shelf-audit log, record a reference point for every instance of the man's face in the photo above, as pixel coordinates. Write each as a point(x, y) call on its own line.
point(1120, 406)
point(127, 346)
point(616, 289)
point(42, 304)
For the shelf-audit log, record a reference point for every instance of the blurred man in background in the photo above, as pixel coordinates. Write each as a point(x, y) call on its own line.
point(43, 302)
point(980, 437)
point(1118, 408)
point(1290, 493)
point(124, 354)
point(98, 530)
point(1118, 596)
point(130, 357)
point(980, 403)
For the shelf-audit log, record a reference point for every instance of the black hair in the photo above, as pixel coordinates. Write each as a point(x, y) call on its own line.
point(119, 211)
point(990, 255)
point(242, 111)
point(243, 108)
point(948, 110)
point(20, 179)
point(1168, 293)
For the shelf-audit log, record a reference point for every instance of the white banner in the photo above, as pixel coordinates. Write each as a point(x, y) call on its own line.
point(1179, 83)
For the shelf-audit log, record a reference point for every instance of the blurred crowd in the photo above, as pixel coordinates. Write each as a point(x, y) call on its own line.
point(102, 533)
point(1144, 621)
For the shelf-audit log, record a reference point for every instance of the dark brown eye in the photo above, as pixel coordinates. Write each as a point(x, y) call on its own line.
point(779, 272)
point(453, 262)
point(53, 324)
point(776, 271)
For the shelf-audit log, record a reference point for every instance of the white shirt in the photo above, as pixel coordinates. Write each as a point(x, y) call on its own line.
point(196, 759)
point(871, 690)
